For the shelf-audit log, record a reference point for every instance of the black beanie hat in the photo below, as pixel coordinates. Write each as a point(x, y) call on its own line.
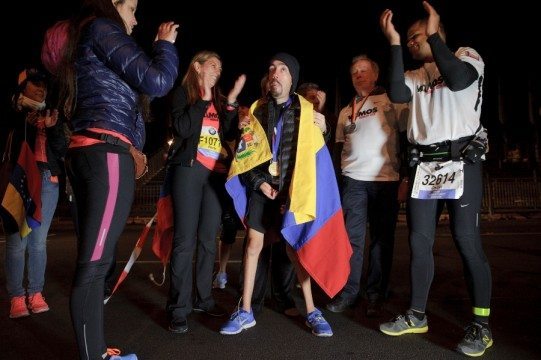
point(293, 66)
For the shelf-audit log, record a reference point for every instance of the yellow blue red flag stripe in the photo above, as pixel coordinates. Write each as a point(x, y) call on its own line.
point(21, 203)
point(313, 224)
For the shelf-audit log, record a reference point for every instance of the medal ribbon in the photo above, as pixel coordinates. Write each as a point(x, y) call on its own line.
point(277, 134)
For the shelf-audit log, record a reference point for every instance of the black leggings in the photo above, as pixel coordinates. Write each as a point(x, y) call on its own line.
point(103, 181)
point(423, 216)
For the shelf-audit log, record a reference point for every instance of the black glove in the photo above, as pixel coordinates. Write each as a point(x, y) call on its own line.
point(474, 151)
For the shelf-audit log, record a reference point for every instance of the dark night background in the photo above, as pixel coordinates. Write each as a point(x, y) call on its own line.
point(324, 39)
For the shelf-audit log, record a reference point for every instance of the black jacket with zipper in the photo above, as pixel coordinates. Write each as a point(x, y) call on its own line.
point(187, 122)
point(267, 113)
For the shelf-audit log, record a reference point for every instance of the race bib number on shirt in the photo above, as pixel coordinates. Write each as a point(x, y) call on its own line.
point(209, 142)
point(437, 180)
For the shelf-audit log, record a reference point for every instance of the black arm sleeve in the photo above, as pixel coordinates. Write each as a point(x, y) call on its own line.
point(186, 118)
point(403, 154)
point(398, 91)
point(230, 123)
point(457, 74)
point(337, 157)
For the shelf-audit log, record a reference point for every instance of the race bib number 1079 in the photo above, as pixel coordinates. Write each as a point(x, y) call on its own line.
point(439, 180)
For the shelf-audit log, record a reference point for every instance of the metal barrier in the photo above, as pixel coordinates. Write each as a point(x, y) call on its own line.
point(146, 197)
point(511, 194)
point(500, 195)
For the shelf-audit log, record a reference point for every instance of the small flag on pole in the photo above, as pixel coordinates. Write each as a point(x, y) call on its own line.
point(134, 255)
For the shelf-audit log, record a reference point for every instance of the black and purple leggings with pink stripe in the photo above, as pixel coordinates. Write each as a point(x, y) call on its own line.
point(103, 182)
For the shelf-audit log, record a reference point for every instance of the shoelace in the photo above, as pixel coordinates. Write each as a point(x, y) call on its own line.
point(36, 296)
point(235, 313)
point(318, 319)
point(113, 351)
point(472, 332)
point(407, 319)
point(239, 316)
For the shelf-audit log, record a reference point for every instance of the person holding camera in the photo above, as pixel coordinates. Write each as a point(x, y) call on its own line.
point(40, 128)
point(448, 142)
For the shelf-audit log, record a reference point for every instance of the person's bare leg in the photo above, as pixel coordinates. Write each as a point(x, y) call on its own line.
point(304, 280)
point(224, 255)
point(251, 255)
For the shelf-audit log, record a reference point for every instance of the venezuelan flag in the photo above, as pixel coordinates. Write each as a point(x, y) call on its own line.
point(313, 224)
point(21, 204)
point(253, 150)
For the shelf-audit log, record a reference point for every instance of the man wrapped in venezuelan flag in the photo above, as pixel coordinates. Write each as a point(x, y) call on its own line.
point(282, 182)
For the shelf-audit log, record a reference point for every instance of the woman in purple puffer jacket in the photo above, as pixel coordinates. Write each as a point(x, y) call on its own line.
point(103, 85)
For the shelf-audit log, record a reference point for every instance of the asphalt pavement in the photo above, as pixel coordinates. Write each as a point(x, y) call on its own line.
point(136, 322)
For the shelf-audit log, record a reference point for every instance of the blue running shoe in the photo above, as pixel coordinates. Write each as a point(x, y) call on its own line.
point(220, 280)
point(124, 357)
point(238, 321)
point(318, 324)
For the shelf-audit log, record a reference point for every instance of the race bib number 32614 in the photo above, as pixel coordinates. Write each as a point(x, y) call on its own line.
point(439, 180)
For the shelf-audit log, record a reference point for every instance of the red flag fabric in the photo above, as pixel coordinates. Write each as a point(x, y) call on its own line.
point(134, 255)
point(162, 241)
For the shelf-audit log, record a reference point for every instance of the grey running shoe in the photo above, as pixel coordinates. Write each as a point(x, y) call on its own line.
point(404, 324)
point(478, 338)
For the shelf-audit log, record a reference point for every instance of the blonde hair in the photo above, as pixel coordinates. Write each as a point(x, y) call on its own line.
point(374, 64)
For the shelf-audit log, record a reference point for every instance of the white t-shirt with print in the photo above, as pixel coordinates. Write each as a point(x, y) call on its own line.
point(370, 151)
point(437, 113)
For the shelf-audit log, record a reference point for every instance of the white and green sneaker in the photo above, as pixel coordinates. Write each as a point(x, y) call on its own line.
point(478, 338)
point(404, 324)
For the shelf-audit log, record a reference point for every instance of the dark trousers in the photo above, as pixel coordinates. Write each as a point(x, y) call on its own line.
point(197, 211)
point(423, 216)
point(103, 183)
point(373, 202)
point(230, 222)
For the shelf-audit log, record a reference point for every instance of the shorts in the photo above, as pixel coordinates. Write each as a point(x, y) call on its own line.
point(263, 213)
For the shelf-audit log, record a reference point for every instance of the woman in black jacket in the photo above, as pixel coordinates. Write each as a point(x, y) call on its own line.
point(203, 120)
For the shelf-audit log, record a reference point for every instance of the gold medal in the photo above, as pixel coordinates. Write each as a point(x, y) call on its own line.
point(273, 168)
